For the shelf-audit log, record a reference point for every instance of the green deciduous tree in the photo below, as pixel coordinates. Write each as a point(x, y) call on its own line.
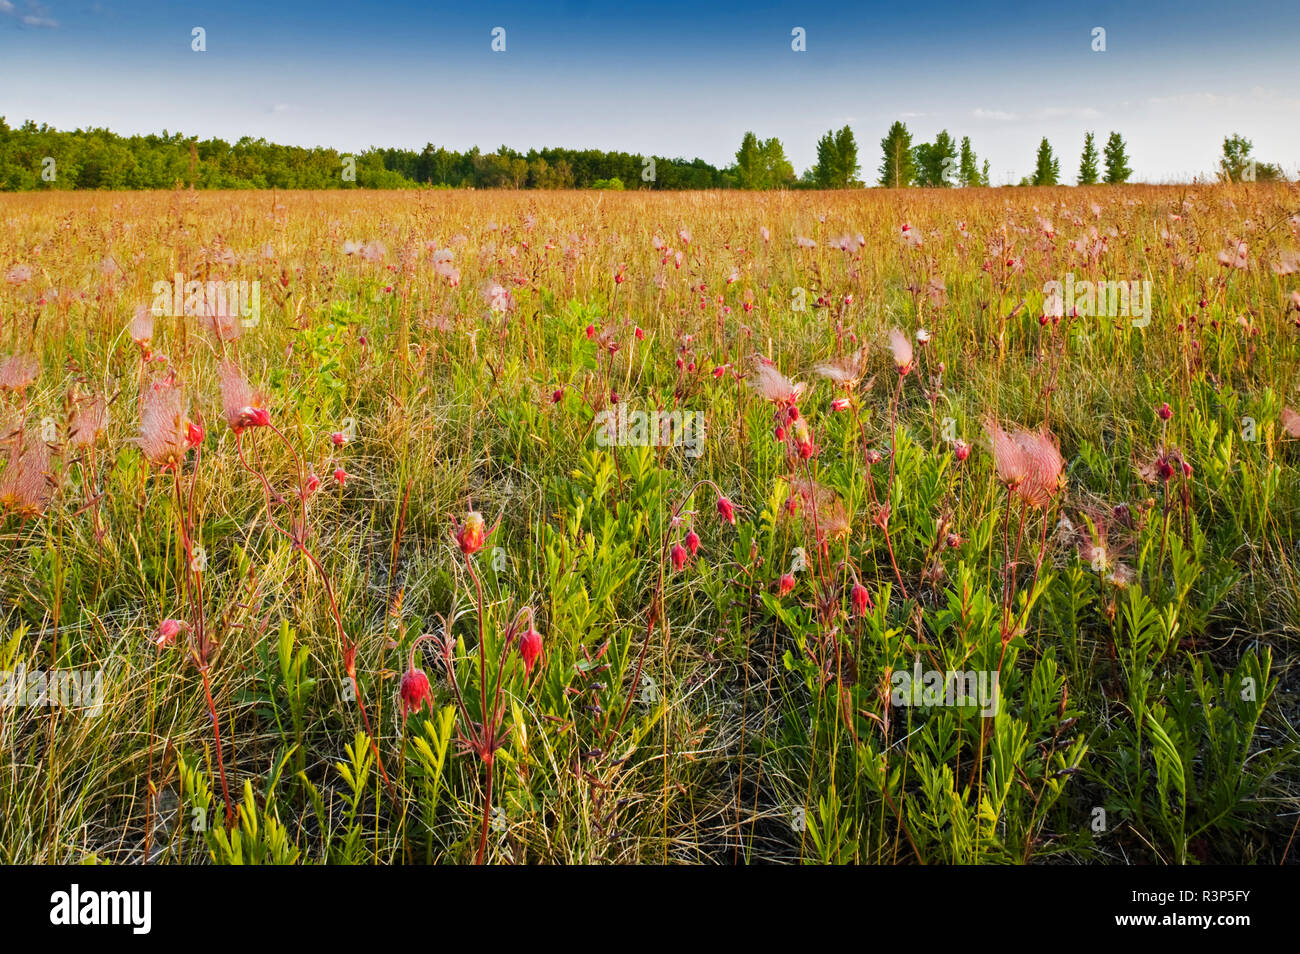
point(837, 160)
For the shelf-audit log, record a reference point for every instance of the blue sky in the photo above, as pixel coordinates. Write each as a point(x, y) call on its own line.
point(670, 77)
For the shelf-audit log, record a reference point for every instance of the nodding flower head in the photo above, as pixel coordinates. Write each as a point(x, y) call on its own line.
point(26, 487)
point(557, 395)
point(785, 584)
point(961, 450)
point(340, 476)
point(165, 434)
point(693, 542)
point(679, 556)
point(860, 598)
point(472, 535)
point(167, 632)
point(338, 438)
point(18, 372)
point(415, 691)
point(530, 647)
point(1165, 411)
point(241, 406)
point(727, 510)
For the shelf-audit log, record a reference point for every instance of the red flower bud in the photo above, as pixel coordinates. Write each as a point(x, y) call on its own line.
point(167, 632)
point(860, 599)
point(727, 510)
point(530, 647)
point(678, 555)
point(785, 585)
point(693, 542)
point(415, 691)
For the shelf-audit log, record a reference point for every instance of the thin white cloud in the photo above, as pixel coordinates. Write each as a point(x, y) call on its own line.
point(1038, 115)
point(35, 21)
point(1258, 95)
point(6, 6)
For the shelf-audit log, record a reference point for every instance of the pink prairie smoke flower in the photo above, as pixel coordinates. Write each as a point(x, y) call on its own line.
point(498, 298)
point(193, 434)
point(473, 534)
point(961, 450)
point(340, 476)
point(840, 404)
point(846, 370)
point(1164, 411)
point(679, 556)
point(1036, 457)
point(1290, 422)
point(338, 438)
point(141, 327)
point(1008, 456)
point(18, 372)
point(860, 598)
point(165, 434)
point(241, 406)
point(167, 632)
point(727, 510)
point(774, 386)
point(25, 485)
point(1288, 263)
point(693, 542)
point(901, 348)
point(88, 424)
point(785, 584)
point(415, 691)
point(530, 647)
point(1234, 256)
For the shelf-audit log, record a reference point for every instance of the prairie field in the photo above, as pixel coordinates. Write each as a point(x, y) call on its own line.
point(555, 527)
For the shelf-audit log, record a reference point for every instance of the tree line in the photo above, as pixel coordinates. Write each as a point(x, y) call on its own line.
point(40, 157)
